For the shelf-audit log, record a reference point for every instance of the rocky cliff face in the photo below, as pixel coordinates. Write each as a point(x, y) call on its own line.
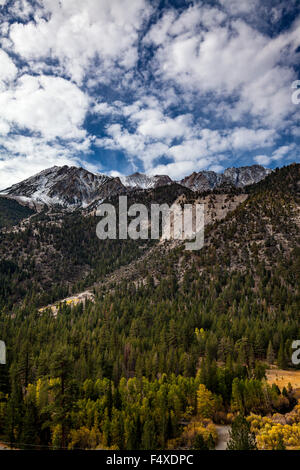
point(238, 177)
point(245, 175)
point(71, 187)
point(202, 181)
point(141, 181)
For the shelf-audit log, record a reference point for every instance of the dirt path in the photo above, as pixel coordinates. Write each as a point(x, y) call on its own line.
point(223, 433)
point(4, 446)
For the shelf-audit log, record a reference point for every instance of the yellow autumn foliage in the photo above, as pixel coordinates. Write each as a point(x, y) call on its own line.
point(197, 426)
point(84, 438)
point(269, 432)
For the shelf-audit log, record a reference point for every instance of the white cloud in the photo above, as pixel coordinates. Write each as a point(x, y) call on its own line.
point(4, 127)
point(278, 154)
point(249, 139)
point(115, 174)
point(77, 33)
point(295, 131)
point(153, 124)
point(188, 23)
point(4, 29)
point(153, 131)
point(188, 150)
point(49, 112)
point(52, 106)
point(282, 151)
point(262, 159)
point(155, 135)
point(180, 169)
point(8, 70)
point(176, 170)
point(221, 86)
point(217, 168)
point(104, 108)
point(159, 31)
point(24, 156)
point(233, 59)
point(236, 7)
point(21, 9)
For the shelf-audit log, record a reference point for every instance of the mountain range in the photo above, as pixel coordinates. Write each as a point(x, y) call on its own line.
point(109, 318)
point(72, 188)
point(58, 251)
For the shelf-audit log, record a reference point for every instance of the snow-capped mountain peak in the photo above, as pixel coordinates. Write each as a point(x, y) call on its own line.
point(72, 187)
point(142, 181)
point(238, 177)
point(64, 186)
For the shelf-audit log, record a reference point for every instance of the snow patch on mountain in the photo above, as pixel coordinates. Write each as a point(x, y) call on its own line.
point(72, 188)
point(142, 181)
point(63, 186)
point(238, 177)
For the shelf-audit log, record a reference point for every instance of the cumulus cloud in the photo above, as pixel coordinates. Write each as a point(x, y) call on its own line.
point(51, 106)
point(262, 159)
point(243, 138)
point(152, 131)
point(8, 70)
point(174, 90)
point(22, 157)
point(190, 22)
point(180, 139)
point(40, 125)
point(77, 33)
point(277, 155)
point(152, 124)
point(104, 109)
point(232, 59)
point(21, 9)
point(236, 7)
point(177, 170)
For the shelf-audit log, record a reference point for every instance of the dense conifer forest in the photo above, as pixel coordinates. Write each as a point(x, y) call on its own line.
point(160, 358)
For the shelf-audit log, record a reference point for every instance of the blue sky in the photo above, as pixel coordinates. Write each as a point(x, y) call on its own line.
point(161, 87)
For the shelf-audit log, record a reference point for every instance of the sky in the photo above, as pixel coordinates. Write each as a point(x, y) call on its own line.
point(160, 86)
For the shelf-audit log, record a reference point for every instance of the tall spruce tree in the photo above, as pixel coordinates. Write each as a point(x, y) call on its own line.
point(241, 437)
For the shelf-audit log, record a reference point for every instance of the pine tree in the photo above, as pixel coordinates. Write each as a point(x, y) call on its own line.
point(270, 353)
point(148, 436)
point(29, 435)
point(199, 443)
point(14, 414)
point(281, 360)
point(241, 437)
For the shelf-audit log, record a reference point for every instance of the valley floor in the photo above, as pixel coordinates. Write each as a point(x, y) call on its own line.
point(283, 377)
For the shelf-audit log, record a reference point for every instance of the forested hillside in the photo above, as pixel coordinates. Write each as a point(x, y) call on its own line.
point(189, 344)
point(11, 212)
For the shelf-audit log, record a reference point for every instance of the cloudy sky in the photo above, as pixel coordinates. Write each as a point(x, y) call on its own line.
point(162, 87)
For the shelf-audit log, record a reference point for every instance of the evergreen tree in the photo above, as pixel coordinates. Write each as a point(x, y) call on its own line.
point(281, 359)
point(241, 437)
point(270, 353)
point(199, 443)
point(148, 436)
point(29, 434)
